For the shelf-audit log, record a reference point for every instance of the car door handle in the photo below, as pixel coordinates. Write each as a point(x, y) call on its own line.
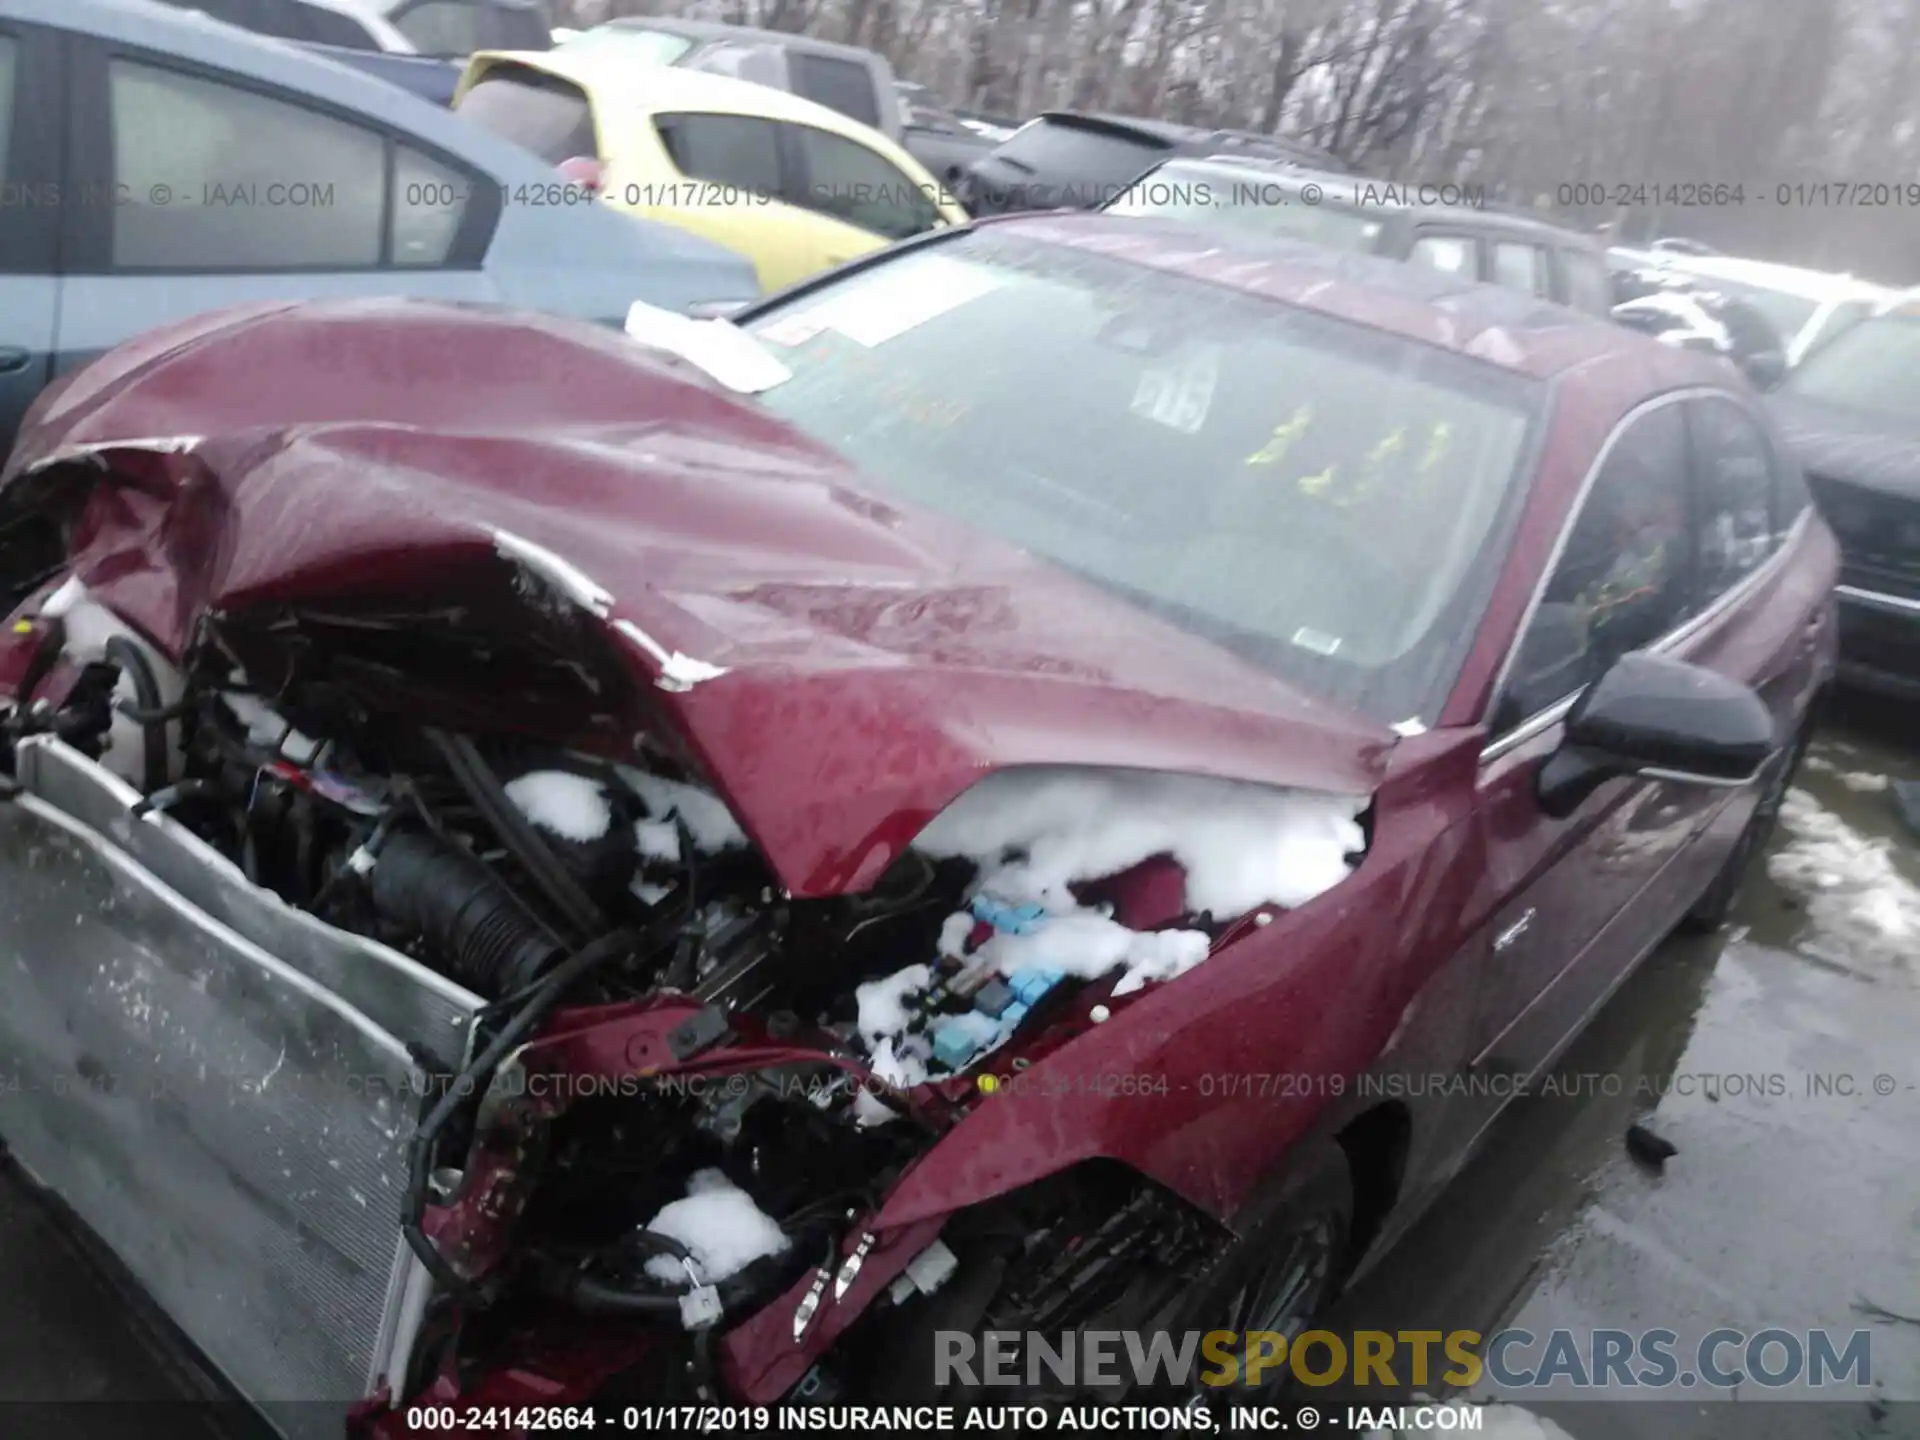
point(14, 358)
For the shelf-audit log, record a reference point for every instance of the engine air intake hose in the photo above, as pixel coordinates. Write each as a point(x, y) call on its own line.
point(472, 925)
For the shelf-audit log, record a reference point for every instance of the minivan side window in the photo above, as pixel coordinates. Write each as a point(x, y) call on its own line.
point(1588, 287)
point(735, 150)
point(221, 178)
point(1449, 254)
point(852, 183)
point(1520, 266)
point(837, 84)
point(1621, 581)
point(1733, 494)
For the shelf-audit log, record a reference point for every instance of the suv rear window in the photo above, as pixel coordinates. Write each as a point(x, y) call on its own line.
point(1075, 164)
point(536, 111)
point(837, 84)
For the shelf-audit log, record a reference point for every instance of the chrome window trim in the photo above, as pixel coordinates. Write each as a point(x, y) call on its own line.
point(1877, 599)
point(1545, 719)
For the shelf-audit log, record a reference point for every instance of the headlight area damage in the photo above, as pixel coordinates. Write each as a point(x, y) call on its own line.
point(594, 964)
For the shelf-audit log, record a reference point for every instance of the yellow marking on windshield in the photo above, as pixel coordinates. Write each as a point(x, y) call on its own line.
point(1317, 485)
point(1282, 439)
point(1437, 444)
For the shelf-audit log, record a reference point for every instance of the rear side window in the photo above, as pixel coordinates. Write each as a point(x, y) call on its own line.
point(852, 183)
point(738, 150)
point(536, 111)
point(1449, 254)
point(1588, 287)
point(1621, 581)
point(221, 178)
point(1075, 165)
point(1733, 494)
point(1520, 267)
point(429, 202)
point(837, 84)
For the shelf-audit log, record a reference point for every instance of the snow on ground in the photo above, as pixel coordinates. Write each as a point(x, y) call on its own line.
point(574, 807)
point(1241, 845)
point(720, 1224)
point(706, 816)
point(1852, 886)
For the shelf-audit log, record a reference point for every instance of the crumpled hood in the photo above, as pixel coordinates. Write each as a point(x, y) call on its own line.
point(1845, 445)
point(841, 667)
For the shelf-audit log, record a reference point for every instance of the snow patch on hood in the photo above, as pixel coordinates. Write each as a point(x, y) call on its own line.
point(1241, 845)
point(574, 807)
point(722, 1227)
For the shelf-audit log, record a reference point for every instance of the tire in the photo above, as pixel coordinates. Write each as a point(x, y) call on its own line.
point(1710, 912)
point(1285, 1270)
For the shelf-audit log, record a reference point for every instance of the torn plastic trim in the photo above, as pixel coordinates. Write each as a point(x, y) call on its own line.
point(573, 582)
point(679, 673)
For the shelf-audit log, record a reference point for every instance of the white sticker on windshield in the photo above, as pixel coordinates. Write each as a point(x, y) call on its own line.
point(1179, 394)
point(884, 303)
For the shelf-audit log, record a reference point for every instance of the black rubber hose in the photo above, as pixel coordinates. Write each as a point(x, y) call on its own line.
point(420, 1151)
point(517, 833)
point(743, 1290)
point(136, 667)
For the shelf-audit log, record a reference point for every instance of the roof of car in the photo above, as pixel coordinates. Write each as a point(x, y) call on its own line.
point(718, 30)
point(1501, 326)
point(609, 76)
point(1767, 275)
point(1373, 194)
point(201, 38)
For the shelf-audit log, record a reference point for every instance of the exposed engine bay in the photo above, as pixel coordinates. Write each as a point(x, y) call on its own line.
point(536, 875)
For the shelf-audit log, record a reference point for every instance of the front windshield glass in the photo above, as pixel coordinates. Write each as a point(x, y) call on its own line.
point(1325, 500)
point(1250, 202)
point(1870, 367)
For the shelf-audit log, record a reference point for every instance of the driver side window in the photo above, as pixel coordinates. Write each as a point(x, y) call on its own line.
point(1621, 581)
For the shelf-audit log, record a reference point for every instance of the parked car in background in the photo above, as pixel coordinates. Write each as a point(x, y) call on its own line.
point(1068, 652)
point(253, 171)
point(1851, 410)
point(858, 83)
point(1402, 222)
point(415, 44)
point(1063, 159)
point(941, 139)
point(1695, 315)
point(1807, 307)
point(794, 186)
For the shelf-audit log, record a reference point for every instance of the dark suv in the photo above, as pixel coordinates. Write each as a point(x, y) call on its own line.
point(1852, 411)
point(1431, 225)
point(1066, 159)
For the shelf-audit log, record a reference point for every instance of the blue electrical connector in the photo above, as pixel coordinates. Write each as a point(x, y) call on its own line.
point(1008, 919)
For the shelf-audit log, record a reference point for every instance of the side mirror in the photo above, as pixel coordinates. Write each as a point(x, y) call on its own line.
point(1650, 715)
point(584, 171)
point(1765, 368)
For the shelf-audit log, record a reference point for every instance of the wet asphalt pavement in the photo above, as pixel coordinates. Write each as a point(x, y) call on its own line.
point(1782, 1207)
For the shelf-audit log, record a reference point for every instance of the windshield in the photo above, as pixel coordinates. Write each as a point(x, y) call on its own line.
point(1325, 500)
point(1252, 203)
point(1869, 367)
point(653, 47)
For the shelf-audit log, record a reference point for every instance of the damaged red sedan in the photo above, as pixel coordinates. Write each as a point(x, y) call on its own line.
point(1055, 778)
